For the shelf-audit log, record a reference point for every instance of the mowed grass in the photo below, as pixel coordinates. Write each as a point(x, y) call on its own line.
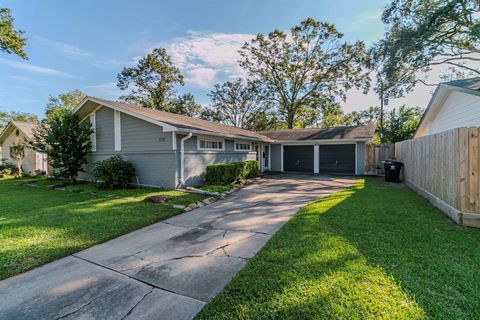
point(373, 251)
point(39, 225)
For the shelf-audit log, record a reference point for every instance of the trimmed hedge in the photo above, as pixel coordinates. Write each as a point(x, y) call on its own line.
point(223, 173)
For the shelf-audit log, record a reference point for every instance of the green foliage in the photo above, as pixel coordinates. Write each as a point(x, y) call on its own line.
point(151, 81)
point(64, 101)
point(113, 173)
point(238, 103)
point(11, 40)
point(6, 117)
point(422, 34)
point(184, 105)
point(401, 124)
point(224, 173)
point(8, 169)
point(66, 141)
point(297, 71)
point(367, 116)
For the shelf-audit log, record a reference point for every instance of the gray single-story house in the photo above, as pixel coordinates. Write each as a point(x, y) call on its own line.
point(18, 132)
point(171, 151)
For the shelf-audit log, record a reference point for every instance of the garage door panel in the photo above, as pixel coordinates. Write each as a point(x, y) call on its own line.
point(337, 158)
point(298, 158)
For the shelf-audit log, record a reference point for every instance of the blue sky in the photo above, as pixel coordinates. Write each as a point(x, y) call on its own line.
point(84, 44)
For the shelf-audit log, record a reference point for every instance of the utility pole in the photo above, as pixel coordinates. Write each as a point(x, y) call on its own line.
point(381, 112)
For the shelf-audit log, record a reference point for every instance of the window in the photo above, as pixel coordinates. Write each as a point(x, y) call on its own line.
point(204, 144)
point(243, 146)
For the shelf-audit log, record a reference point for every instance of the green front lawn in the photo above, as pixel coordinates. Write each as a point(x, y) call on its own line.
point(373, 251)
point(38, 224)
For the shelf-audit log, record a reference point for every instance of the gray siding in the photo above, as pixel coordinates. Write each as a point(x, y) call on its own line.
point(196, 161)
point(142, 136)
point(153, 169)
point(144, 144)
point(276, 157)
point(104, 130)
point(360, 158)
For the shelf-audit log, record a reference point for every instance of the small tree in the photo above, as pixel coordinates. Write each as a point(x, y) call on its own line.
point(11, 40)
point(401, 125)
point(17, 152)
point(66, 141)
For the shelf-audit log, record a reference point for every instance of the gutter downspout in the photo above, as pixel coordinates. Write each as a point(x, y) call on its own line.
point(182, 157)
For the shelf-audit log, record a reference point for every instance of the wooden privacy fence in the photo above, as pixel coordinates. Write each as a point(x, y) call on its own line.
point(375, 154)
point(444, 168)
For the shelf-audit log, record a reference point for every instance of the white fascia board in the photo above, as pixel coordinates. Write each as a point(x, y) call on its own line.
point(325, 141)
point(117, 129)
point(217, 134)
point(166, 127)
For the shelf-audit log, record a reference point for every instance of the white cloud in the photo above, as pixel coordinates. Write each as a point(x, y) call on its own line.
point(78, 54)
point(28, 67)
point(206, 58)
point(108, 89)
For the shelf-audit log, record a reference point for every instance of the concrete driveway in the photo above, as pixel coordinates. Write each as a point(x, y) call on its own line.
point(168, 270)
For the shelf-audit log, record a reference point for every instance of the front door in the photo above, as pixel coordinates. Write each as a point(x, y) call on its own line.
point(266, 157)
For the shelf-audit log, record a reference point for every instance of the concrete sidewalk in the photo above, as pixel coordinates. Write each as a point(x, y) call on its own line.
point(168, 270)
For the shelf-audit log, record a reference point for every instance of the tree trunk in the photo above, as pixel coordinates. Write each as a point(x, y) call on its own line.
point(19, 166)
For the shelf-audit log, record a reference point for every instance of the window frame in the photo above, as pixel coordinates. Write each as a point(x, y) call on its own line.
point(242, 142)
point(200, 138)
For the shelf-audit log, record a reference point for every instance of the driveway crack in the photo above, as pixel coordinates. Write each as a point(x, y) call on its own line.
point(136, 304)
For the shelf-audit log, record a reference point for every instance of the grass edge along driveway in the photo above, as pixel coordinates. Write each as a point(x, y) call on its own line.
point(372, 251)
point(39, 225)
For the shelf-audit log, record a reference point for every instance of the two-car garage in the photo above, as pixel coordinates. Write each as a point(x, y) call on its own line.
point(331, 158)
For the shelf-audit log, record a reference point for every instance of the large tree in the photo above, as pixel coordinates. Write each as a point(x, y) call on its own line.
point(238, 102)
point(367, 116)
point(7, 116)
point(151, 83)
point(426, 33)
point(64, 101)
point(300, 68)
point(11, 40)
point(66, 141)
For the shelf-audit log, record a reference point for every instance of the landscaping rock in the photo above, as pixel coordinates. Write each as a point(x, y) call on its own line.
point(209, 200)
point(93, 193)
point(157, 199)
point(192, 206)
point(222, 196)
point(178, 206)
point(200, 204)
point(187, 209)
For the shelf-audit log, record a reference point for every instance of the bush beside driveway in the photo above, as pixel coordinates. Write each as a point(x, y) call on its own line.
point(373, 251)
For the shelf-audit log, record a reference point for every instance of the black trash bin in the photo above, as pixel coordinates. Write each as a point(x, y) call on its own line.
point(392, 170)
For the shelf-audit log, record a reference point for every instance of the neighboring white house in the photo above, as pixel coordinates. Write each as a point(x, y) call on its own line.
point(17, 132)
point(454, 104)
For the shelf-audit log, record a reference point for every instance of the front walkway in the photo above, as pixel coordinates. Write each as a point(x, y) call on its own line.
point(168, 270)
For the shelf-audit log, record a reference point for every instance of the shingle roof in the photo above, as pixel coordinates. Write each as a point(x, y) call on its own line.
point(27, 128)
point(357, 132)
point(181, 121)
point(472, 83)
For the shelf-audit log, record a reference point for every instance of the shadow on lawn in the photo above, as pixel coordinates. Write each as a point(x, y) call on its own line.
point(371, 251)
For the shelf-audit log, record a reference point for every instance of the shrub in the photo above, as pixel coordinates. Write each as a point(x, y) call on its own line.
point(8, 169)
point(113, 173)
point(223, 173)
